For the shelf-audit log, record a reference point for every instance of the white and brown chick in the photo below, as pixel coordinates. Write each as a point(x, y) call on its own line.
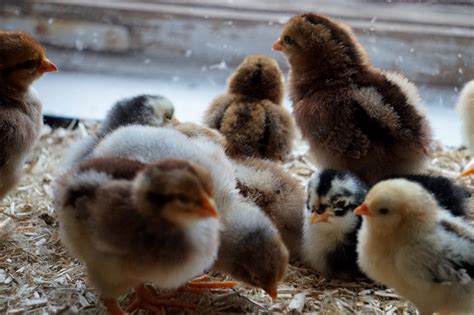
point(251, 115)
point(409, 243)
point(465, 109)
point(330, 226)
point(145, 110)
point(22, 61)
point(251, 249)
point(132, 223)
point(277, 193)
point(354, 116)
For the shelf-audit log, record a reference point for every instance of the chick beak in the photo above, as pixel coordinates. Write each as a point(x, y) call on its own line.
point(47, 66)
point(208, 208)
point(273, 292)
point(363, 209)
point(468, 172)
point(277, 46)
point(319, 218)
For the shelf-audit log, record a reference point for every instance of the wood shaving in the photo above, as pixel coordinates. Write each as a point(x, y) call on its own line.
point(37, 275)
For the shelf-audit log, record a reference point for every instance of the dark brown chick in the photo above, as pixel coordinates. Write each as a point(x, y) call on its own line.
point(251, 115)
point(132, 223)
point(278, 194)
point(22, 61)
point(355, 116)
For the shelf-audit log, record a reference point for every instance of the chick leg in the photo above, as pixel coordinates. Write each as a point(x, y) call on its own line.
point(203, 282)
point(148, 300)
point(112, 306)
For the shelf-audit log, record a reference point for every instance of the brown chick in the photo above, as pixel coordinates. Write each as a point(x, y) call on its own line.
point(22, 61)
point(132, 223)
point(192, 130)
point(355, 116)
point(278, 194)
point(251, 115)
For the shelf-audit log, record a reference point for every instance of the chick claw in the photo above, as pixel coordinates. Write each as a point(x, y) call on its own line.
point(149, 300)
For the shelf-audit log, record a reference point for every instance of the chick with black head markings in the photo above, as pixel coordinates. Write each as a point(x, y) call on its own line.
point(145, 110)
point(355, 116)
point(409, 243)
point(251, 115)
point(277, 193)
point(132, 223)
point(22, 61)
point(330, 226)
point(262, 262)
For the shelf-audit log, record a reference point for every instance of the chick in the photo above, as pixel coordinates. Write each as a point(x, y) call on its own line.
point(277, 193)
point(449, 196)
point(465, 108)
point(132, 223)
point(22, 61)
point(251, 115)
point(251, 248)
point(330, 226)
point(146, 110)
point(355, 116)
point(407, 242)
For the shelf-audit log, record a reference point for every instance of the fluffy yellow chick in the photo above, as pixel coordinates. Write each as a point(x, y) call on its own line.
point(411, 244)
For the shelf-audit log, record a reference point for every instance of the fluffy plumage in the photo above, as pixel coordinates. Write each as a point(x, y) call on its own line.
point(277, 193)
point(145, 110)
point(131, 223)
point(193, 130)
point(407, 242)
point(355, 116)
point(251, 115)
point(330, 227)
point(22, 61)
point(251, 248)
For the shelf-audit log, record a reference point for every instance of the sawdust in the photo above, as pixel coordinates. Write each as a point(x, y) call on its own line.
point(37, 275)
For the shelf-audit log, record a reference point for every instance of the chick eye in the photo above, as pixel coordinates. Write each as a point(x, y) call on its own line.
point(288, 40)
point(384, 211)
point(28, 65)
point(168, 116)
point(340, 204)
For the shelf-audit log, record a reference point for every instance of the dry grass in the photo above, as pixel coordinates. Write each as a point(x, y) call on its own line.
point(37, 275)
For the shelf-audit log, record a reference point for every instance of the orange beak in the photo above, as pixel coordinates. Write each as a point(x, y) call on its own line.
point(208, 208)
point(319, 218)
point(277, 46)
point(468, 172)
point(273, 292)
point(47, 66)
point(363, 209)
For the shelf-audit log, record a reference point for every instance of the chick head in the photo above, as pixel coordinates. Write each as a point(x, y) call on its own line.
point(263, 260)
point(332, 197)
point(22, 60)
point(176, 190)
point(258, 77)
point(315, 39)
point(146, 110)
point(398, 204)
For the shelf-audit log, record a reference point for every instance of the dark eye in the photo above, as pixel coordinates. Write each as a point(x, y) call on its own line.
point(288, 40)
point(383, 211)
point(340, 204)
point(28, 65)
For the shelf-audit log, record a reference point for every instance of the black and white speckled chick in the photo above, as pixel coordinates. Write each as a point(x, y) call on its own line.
point(330, 226)
point(144, 110)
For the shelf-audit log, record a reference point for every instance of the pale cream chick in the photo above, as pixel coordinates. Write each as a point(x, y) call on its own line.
point(411, 244)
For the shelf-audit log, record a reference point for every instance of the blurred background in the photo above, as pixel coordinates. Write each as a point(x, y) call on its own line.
point(186, 49)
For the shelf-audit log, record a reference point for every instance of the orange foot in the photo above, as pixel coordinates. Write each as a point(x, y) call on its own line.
point(112, 306)
point(151, 301)
point(203, 282)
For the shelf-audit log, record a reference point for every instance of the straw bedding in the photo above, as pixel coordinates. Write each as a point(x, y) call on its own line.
point(37, 275)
